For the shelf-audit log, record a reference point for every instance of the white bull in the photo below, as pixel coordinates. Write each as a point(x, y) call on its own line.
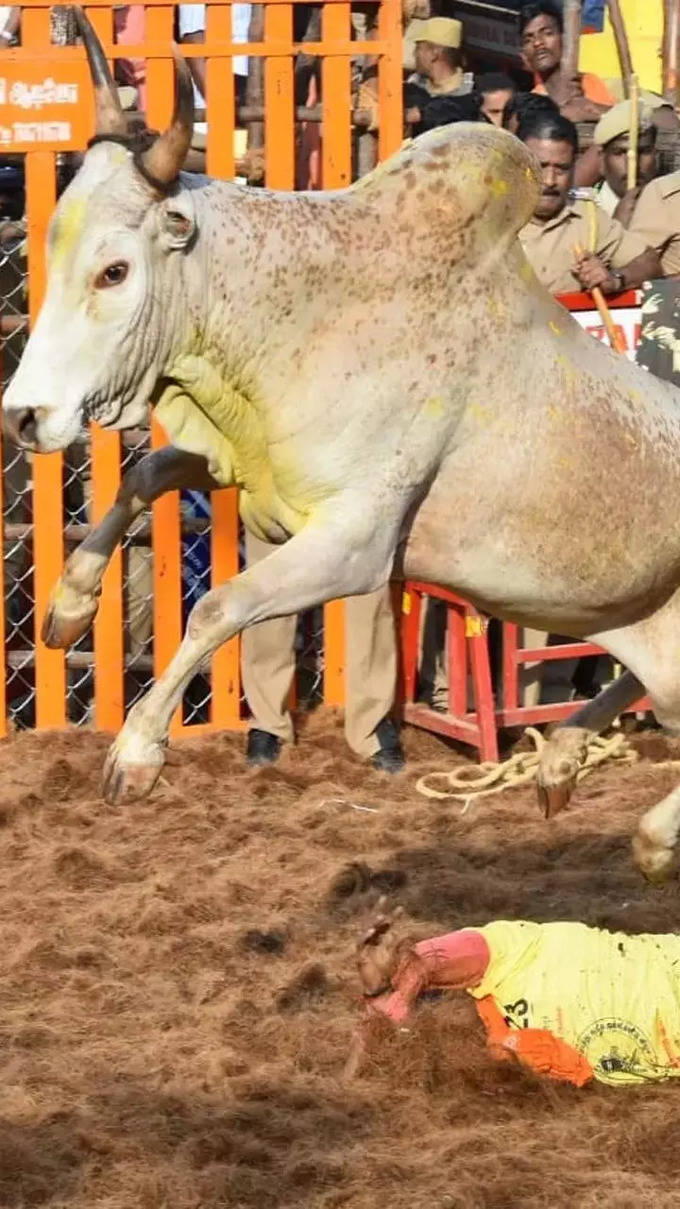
point(382, 376)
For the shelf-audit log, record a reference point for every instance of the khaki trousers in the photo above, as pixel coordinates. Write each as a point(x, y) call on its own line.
point(268, 665)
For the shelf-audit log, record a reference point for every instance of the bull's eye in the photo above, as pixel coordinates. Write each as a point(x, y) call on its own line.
point(113, 274)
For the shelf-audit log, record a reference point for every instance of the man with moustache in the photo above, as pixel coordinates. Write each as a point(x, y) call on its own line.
point(615, 260)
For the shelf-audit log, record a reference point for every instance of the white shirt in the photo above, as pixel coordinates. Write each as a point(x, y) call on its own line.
point(192, 21)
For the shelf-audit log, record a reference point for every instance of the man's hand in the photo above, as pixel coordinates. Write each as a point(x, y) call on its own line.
point(591, 272)
point(413, 116)
point(624, 211)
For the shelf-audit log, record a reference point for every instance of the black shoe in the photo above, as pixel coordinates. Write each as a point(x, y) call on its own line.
point(262, 748)
point(390, 755)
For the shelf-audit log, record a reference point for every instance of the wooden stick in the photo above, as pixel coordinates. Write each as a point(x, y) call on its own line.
point(634, 131)
point(605, 314)
point(571, 37)
point(671, 34)
point(622, 45)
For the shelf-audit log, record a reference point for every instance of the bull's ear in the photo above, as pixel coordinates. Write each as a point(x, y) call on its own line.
point(178, 220)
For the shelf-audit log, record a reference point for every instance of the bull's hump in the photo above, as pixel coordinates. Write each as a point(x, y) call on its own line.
point(482, 174)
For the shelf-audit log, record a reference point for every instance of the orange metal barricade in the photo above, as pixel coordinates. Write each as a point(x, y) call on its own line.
point(336, 50)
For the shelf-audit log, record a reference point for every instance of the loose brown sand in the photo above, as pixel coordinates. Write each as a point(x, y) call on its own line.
point(177, 988)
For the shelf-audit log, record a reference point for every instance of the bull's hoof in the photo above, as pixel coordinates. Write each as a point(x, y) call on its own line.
point(69, 615)
point(60, 633)
point(128, 780)
point(560, 761)
point(654, 859)
point(553, 799)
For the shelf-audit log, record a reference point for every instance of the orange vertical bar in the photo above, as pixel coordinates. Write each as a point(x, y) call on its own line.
point(279, 132)
point(3, 630)
point(220, 99)
point(336, 161)
point(109, 654)
point(336, 93)
point(159, 72)
point(165, 520)
point(48, 538)
point(167, 576)
point(390, 73)
point(226, 668)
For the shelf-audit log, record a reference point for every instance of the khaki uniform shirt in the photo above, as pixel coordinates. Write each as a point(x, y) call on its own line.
point(457, 82)
point(549, 247)
point(657, 220)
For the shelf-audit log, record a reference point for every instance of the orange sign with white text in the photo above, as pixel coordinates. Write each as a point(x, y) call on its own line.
point(45, 106)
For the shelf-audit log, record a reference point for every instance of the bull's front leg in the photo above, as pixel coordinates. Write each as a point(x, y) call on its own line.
point(75, 597)
point(345, 554)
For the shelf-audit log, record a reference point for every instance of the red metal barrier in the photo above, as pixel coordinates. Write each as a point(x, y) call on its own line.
point(475, 715)
point(468, 666)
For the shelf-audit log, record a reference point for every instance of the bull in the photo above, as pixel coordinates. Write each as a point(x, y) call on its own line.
point(379, 372)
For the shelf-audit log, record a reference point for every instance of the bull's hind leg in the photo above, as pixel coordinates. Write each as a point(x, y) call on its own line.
point(651, 650)
point(75, 597)
point(567, 747)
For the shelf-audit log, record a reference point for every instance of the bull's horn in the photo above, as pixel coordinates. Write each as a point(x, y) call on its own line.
point(163, 160)
point(109, 112)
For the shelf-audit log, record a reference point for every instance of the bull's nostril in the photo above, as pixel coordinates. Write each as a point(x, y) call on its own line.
point(26, 426)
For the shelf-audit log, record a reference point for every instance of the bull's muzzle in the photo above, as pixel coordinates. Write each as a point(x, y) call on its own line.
point(21, 426)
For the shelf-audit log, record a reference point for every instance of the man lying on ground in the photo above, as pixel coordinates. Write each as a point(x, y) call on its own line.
point(571, 1002)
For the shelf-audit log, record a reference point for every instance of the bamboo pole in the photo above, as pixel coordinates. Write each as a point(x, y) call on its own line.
point(604, 311)
point(571, 37)
point(621, 38)
point(634, 131)
point(671, 37)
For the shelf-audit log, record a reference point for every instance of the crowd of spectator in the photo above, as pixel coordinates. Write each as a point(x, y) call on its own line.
point(588, 230)
point(634, 232)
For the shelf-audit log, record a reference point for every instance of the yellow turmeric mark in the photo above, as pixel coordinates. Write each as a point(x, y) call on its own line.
point(554, 327)
point(66, 231)
point(434, 408)
point(190, 429)
point(215, 413)
point(476, 412)
point(499, 187)
point(569, 371)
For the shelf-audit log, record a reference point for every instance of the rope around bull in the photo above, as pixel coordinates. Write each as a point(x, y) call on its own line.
point(482, 780)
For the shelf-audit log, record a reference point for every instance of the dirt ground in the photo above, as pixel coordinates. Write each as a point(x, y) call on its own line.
point(177, 988)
